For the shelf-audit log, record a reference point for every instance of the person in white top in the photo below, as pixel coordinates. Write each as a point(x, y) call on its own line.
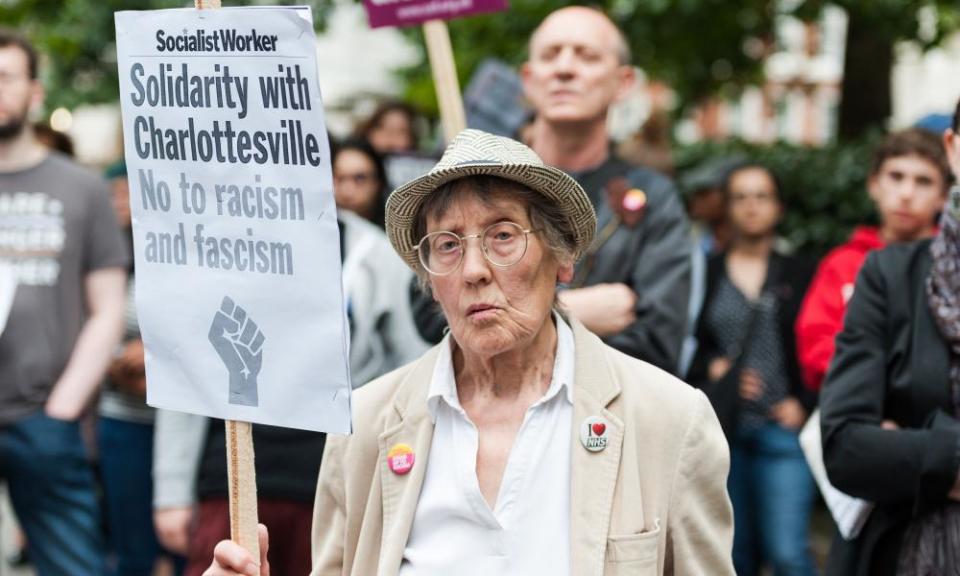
point(521, 444)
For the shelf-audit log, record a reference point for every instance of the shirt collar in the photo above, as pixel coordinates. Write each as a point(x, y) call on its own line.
point(443, 385)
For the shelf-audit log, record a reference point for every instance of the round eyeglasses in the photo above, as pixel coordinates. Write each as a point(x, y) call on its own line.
point(502, 243)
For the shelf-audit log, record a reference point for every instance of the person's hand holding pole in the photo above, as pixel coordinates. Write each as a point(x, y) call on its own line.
point(232, 559)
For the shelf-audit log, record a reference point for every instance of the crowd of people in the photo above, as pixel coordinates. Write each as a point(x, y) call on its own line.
point(613, 382)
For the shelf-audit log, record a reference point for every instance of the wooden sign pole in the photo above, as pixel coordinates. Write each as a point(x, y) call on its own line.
point(241, 475)
point(242, 480)
point(444, 69)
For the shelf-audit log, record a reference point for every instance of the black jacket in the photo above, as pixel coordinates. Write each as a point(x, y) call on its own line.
point(653, 257)
point(792, 277)
point(891, 363)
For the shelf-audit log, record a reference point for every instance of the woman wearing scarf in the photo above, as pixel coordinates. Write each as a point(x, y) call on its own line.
point(898, 360)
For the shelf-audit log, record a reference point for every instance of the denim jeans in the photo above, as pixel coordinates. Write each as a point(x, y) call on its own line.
point(772, 493)
point(51, 487)
point(126, 462)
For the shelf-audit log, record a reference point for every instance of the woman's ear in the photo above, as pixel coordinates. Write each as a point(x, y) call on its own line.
point(565, 273)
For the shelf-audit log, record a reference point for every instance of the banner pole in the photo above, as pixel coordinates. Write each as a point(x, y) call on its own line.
point(439, 50)
point(241, 474)
point(242, 485)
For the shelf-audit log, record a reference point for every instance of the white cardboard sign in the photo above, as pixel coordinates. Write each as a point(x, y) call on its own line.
point(239, 292)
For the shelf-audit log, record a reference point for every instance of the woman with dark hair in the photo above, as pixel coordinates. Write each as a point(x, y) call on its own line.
point(392, 128)
point(359, 180)
point(891, 401)
point(746, 358)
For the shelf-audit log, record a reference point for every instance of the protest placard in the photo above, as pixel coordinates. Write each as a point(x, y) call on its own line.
point(239, 293)
point(402, 168)
point(409, 12)
point(433, 13)
point(494, 99)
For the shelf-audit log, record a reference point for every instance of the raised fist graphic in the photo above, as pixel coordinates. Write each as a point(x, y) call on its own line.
point(239, 342)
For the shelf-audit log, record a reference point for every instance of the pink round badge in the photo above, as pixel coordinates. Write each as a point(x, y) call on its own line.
point(400, 458)
point(634, 200)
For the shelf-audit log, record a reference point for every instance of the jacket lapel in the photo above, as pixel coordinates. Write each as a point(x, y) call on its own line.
point(593, 476)
point(400, 493)
point(604, 215)
point(930, 358)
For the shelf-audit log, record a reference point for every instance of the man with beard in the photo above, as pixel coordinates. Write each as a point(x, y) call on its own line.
point(62, 284)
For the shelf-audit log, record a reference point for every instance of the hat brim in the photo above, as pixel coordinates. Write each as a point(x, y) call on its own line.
point(554, 184)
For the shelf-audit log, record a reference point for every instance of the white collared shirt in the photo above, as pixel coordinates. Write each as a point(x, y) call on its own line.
point(528, 532)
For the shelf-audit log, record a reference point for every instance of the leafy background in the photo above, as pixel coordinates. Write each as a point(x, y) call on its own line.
point(699, 47)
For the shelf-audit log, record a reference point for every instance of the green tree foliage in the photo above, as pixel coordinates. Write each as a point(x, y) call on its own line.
point(700, 47)
point(697, 46)
point(78, 42)
point(874, 27)
point(925, 21)
point(708, 47)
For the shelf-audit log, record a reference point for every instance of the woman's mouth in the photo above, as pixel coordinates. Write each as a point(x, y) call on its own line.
point(481, 311)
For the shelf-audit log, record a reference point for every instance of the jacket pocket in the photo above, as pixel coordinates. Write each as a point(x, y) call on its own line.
point(633, 554)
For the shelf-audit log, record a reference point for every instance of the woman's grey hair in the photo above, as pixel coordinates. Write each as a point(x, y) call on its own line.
point(545, 215)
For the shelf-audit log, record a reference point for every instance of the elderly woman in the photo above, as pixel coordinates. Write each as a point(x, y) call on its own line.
point(521, 444)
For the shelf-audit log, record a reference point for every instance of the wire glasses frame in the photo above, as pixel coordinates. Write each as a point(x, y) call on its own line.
point(502, 244)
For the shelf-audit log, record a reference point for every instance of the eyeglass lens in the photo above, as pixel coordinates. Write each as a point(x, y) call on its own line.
point(503, 244)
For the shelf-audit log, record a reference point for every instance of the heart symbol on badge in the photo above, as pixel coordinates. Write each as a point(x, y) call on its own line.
point(599, 428)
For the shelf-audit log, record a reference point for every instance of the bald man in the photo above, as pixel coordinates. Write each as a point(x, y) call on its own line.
point(632, 287)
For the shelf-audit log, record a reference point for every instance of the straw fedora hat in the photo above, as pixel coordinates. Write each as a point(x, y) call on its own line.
point(472, 153)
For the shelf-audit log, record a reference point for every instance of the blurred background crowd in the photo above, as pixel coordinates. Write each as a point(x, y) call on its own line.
point(760, 151)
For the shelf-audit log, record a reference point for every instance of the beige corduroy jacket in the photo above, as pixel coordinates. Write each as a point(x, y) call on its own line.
point(653, 502)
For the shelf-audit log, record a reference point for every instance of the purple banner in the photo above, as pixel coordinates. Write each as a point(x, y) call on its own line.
point(409, 12)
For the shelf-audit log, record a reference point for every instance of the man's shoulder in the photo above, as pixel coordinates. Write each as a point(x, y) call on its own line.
point(901, 262)
point(356, 224)
point(358, 231)
point(368, 246)
point(846, 254)
point(62, 166)
point(60, 176)
point(838, 268)
point(652, 182)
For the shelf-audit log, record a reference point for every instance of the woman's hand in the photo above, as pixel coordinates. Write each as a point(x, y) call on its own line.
point(127, 370)
point(173, 528)
point(789, 413)
point(954, 493)
point(231, 559)
point(718, 368)
point(751, 384)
